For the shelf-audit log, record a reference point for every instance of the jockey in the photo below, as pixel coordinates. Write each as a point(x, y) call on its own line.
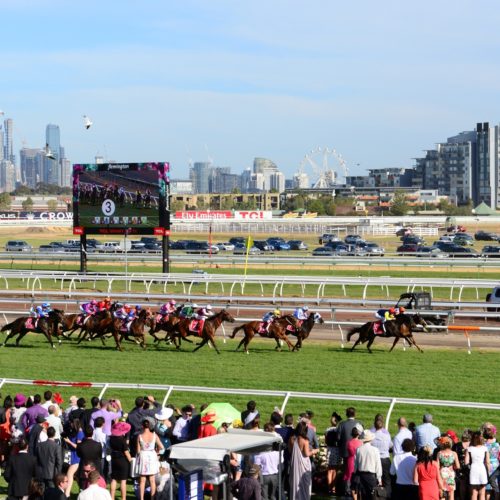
point(269, 317)
point(46, 308)
point(39, 312)
point(399, 310)
point(187, 310)
point(201, 315)
point(137, 310)
point(104, 305)
point(89, 308)
point(122, 312)
point(384, 315)
point(301, 313)
point(168, 308)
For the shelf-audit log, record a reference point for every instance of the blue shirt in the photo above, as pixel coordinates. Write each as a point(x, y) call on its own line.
point(426, 434)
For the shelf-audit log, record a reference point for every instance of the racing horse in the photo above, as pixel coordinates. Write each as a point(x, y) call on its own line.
point(158, 323)
point(305, 328)
point(183, 329)
point(135, 333)
point(277, 331)
point(49, 326)
point(101, 323)
point(401, 328)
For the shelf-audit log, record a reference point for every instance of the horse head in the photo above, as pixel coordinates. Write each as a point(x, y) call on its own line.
point(226, 316)
point(318, 318)
point(56, 315)
point(419, 321)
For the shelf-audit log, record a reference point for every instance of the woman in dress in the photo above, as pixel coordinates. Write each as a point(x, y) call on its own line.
point(352, 446)
point(332, 451)
point(448, 463)
point(300, 464)
point(74, 437)
point(462, 474)
point(120, 458)
point(427, 476)
point(489, 436)
point(148, 464)
point(479, 460)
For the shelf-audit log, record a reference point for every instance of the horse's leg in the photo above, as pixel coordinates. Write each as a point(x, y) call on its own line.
point(358, 340)
point(117, 339)
point(412, 340)
point(211, 340)
point(396, 340)
point(48, 336)
point(21, 334)
point(11, 334)
point(201, 344)
point(370, 342)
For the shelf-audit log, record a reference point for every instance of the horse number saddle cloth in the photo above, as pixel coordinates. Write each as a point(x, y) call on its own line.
point(378, 329)
point(291, 328)
point(159, 318)
point(262, 327)
point(196, 326)
point(31, 323)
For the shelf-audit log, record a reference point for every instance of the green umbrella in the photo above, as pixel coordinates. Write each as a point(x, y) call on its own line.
point(225, 412)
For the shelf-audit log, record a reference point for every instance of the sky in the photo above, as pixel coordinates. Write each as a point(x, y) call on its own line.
point(228, 81)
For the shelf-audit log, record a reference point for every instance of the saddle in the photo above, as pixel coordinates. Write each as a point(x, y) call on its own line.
point(291, 328)
point(378, 329)
point(195, 327)
point(262, 328)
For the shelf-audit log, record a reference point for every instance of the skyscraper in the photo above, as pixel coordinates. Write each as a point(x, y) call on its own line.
point(52, 174)
point(31, 166)
point(486, 175)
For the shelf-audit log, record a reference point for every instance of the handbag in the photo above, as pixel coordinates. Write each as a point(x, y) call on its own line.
point(379, 492)
point(133, 473)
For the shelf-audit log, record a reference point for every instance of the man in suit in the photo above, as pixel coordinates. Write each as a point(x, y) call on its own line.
point(345, 434)
point(58, 491)
point(20, 470)
point(49, 457)
point(89, 451)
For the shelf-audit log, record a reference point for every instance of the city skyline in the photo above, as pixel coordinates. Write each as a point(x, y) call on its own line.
point(190, 81)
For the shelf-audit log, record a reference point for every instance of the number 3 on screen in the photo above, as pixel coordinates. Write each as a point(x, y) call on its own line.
point(108, 207)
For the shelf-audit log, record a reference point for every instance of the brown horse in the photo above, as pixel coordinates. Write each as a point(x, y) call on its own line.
point(401, 328)
point(305, 328)
point(48, 326)
point(167, 325)
point(182, 329)
point(277, 331)
point(101, 323)
point(135, 333)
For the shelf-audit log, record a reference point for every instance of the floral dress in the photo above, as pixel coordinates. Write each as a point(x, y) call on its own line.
point(447, 471)
point(494, 451)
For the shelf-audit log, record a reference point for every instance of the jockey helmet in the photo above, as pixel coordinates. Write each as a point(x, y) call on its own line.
point(127, 306)
point(402, 310)
point(277, 312)
point(93, 302)
point(45, 305)
point(107, 299)
point(138, 307)
point(172, 302)
point(209, 307)
point(305, 308)
point(195, 305)
point(392, 310)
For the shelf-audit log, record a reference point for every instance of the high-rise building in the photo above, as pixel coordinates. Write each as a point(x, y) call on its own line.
point(486, 175)
point(300, 180)
point(199, 175)
point(8, 144)
point(31, 166)
point(52, 167)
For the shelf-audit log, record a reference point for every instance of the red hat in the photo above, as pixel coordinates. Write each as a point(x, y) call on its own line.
point(452, 435)
point(210, 416)
point(120, 428)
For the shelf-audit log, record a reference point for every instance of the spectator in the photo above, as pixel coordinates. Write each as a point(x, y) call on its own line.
point(479, 460)
point(72, 406)
point(49, 458)
point(207, 428)
point(164, 426)
point(367, 465)
point(35, 490)
point(99, 437)
point(20, 470)
point(37, 434)
point(94, 491)
point(345, 435)
point(47, 396)
point(426, 475)
point(403, 433)
point(110, 411)
point(54, 421)
point(18, 411)
point(87, 469)
point(269, 463)
point(195, 423)
point(88, 412)
point(383, 443)
point(148, 465)
point(332, 451)
point(120, 458)
point(402, 467)
point(462, 474)
point(74, 437)
point(353, 444)
point(31, 413)
point(181, 428)
point(300, 463)
point(489, 436)
point(58, 491)
point(248, 487)
point(448, 461)
point(89, 450)
point(427, 433)
point(249, 414)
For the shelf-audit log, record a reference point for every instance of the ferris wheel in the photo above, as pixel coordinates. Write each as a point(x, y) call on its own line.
point(327, 165)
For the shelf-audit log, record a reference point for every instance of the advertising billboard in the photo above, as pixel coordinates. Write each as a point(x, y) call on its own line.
point(119, 198)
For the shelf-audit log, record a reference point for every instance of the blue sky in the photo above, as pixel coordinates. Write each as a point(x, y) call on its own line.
point(176, 80)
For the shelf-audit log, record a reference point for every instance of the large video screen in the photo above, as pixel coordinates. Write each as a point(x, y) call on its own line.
point(114, 198)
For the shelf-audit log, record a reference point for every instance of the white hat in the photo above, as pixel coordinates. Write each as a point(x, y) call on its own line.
point(164, 414)
point(367, 436)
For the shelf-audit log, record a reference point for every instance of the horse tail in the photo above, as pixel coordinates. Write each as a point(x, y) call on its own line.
point(235, 331)
point(7, 327)
point(352, 331)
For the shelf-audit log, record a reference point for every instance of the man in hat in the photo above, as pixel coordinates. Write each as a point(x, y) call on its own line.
point(427, 433)
point(164, 426)
point(368, 465)
point(207, 428)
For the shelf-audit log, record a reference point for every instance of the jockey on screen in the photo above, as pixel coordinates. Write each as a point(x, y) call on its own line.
point(201, 315)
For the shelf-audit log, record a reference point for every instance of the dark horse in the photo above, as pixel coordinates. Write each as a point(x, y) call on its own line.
point(401, 328)
point(48, 326)
point(136, 331)
point(305, 328)
point(207, 335)
point(101, 323)
point(277, 331)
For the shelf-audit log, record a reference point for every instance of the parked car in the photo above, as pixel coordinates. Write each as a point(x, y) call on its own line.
point(432, 252)
point(327, 237)
point(18, 246)
point(352, 251)
point(278, 243)
point(241, 249)
point(227, 247)
point(352, 239)
point(486, 236)
point(179, 245)
point(407, 248)
point(110, 247)
point(372, 249)
point(412, 239)
point(461, 252)
point(463, 239)
point(297, 245)
point(494, 298)
point(137, 246)
point(263, 245)
point(200, 247)
point(491, 251)
point(323, 252)
point(447, 237)
point(51, 248)
point(341, 250)
point(235, 240)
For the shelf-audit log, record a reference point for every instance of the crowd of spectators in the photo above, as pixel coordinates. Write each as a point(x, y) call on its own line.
point(48, 451)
